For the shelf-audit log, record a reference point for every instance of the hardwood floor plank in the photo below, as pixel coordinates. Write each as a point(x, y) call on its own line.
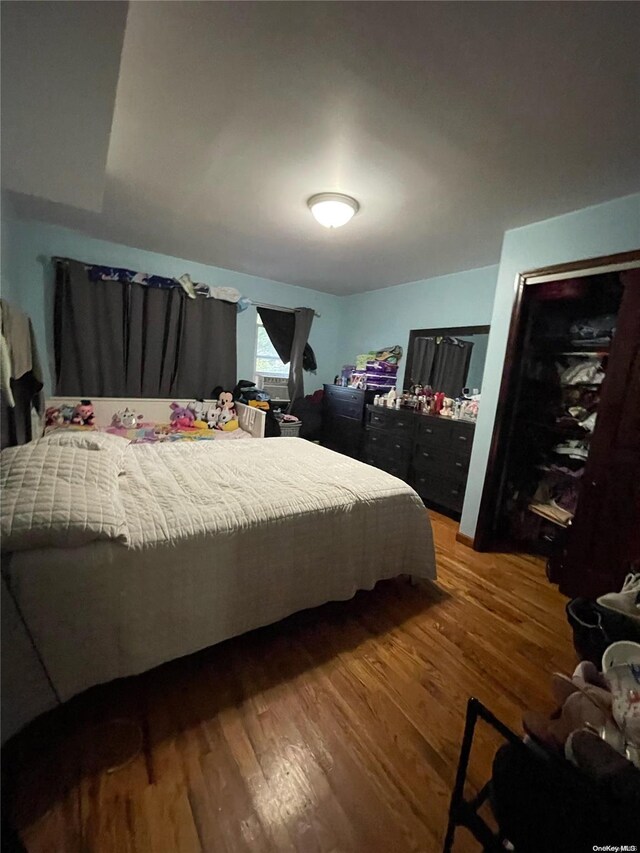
point(335, 731)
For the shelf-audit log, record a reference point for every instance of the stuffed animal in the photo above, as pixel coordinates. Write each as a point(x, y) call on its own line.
point(228, 420)
point(213, 416)
point(228, 416)
point(53, 417)
point(199, 409)
point(447, 407)
point(83, 414)
point(67, 412)
point(181, 417)
point(225, 400)
point(126, 419)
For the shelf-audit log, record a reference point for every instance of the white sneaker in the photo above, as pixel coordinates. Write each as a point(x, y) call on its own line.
point(621, 670)
point(626, 601)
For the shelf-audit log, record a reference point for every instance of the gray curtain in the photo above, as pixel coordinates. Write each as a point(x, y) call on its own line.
point(451, 366)
point(121, 339)
point(303, 321)
point(424, 353)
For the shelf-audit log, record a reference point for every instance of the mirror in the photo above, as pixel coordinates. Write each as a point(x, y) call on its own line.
point(448, 359)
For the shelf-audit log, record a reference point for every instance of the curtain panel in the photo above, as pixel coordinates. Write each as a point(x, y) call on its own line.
point(442, 363)
point(289, 333)
point(280, 326)
point(124, 339)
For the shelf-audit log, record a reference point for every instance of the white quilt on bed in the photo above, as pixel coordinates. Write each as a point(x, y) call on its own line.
point(222, 538)
point(59, 496)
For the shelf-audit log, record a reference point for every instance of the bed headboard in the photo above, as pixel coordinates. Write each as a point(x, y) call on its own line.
point(157, 410)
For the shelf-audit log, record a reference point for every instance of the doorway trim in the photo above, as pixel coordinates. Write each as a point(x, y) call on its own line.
point(484, 538)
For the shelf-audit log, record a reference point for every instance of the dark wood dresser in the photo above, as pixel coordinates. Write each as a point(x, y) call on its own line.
point(343, 418)
point(429, 452)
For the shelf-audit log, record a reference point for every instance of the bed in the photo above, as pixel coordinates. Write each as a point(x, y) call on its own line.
point(148, 552)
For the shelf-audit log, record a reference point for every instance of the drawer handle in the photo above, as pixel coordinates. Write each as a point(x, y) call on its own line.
point(400, 423)
point(458, 464)
point(455, 492)
point(428, 430)
point(427, 455)
point(462, 438)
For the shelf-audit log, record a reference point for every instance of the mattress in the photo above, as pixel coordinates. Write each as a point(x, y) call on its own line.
point(223, 537)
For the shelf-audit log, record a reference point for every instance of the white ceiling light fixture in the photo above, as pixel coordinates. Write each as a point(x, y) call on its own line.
point(333, 209)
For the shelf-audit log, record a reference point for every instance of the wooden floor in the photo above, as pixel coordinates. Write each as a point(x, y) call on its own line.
point(335, 730)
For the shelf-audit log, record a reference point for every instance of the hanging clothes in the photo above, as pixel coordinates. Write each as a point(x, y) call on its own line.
point(451, 366)
point(21, 397)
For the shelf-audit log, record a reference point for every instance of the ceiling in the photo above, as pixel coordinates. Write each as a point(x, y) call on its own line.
point(449, 122)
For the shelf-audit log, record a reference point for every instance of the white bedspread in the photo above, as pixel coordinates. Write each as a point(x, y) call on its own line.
point(222, 538)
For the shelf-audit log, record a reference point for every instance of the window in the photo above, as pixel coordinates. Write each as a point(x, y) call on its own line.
point(268, 361)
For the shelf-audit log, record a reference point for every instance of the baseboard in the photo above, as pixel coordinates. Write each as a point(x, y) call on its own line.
point(464, 539)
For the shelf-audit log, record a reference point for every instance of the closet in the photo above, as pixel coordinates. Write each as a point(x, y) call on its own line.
point(563, 479)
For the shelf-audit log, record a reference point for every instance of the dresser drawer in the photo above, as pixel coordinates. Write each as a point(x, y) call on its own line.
point(432, 486)
point(396, 463)
point(462, 438)
point(343, 435)
point(346, 395)
point(346, 409)
point(400, 423)
point(432, 432)
point(388, 439)
point(440, 466)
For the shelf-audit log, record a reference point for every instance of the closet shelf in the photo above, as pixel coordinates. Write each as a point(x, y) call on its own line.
point(575, 432)
point(556, 473)
point(538, 509)
point(581, 384)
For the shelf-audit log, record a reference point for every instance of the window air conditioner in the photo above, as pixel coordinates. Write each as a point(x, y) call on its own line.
point(276, 388)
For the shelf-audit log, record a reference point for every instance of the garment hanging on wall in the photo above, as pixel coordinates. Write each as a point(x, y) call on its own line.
point(116, 338)
point(22, 401)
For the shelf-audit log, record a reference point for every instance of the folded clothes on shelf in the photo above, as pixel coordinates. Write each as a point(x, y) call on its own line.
point(578, 417)
point(574, 448)
point(595, 330)
point(583, 371)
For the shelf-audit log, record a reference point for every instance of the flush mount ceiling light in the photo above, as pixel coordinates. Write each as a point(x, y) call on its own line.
point(333, 209)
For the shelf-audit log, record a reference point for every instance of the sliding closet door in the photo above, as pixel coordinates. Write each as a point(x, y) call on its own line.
point(604, 539)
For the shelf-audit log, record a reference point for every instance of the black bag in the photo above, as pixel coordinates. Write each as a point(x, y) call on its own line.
point(596, 627)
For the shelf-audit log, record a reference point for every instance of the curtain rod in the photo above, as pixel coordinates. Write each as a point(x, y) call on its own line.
point(280, 308)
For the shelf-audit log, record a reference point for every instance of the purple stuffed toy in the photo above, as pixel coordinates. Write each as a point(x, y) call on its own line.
point(181, 417)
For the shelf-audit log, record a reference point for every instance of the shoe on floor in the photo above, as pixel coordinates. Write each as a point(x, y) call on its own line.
point(626, 601)
point(621, 669)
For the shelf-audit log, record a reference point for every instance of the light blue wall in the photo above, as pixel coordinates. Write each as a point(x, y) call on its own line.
point(594, 231)
point(30, 273)
point(382, 318)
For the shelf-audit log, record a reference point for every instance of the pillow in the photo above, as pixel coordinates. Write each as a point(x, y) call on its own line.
point(58, 497)
point(116, 445)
